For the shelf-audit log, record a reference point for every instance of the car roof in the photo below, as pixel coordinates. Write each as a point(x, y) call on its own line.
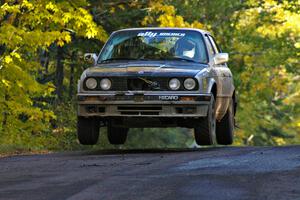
point(163, 28)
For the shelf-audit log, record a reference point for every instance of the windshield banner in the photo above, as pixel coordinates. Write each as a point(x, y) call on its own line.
point(164, 34)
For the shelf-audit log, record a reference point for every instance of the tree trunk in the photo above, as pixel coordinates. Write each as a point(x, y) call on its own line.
point(72, 66)
point(44, 60)
point(5, 111)
point(59, 74)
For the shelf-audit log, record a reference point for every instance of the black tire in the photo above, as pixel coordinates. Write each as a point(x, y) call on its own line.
point(205, 132)
point(225, 127)
point(88, 130)
point(116, 135)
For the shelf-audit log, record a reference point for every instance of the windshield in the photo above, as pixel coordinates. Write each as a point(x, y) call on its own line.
point(182, 45)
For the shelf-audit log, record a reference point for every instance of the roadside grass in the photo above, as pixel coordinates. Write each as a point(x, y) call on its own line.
point(12, 150)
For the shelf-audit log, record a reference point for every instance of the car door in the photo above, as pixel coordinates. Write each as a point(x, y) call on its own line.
point(222, 76)
point(223, 71)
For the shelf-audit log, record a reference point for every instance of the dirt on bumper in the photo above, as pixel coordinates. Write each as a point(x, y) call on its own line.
point(141, 105)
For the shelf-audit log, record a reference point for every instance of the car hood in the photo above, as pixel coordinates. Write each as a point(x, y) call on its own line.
point(161, 69)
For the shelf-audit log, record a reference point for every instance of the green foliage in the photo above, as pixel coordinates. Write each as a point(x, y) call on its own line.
point(26, 27)
point(266, 37)
point(262, 37)
point(161, 138)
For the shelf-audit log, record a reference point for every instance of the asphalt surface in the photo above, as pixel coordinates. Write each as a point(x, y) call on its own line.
point(206, 173)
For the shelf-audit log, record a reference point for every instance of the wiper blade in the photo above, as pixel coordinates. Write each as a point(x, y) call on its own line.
point(181, 59)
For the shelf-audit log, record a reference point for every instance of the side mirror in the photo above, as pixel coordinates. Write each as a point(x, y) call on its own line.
point(221, 58)
point(90, 58)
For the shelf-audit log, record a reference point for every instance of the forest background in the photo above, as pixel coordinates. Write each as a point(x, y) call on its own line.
point(42, 43)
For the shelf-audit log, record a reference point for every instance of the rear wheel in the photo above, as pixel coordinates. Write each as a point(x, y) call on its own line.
point(205, 132)
point(225, 128)
point(88, 130)
point(116, 135)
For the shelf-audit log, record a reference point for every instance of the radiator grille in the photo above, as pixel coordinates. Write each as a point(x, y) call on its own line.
point(139, 84)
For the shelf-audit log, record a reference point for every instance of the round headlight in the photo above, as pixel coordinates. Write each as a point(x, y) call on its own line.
point(189, 84)
point(174, 84)
point(91, 83)
point(105, 84)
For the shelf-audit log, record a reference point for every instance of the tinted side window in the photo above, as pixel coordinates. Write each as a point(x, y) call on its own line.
point(214, 44)
point(209, 46)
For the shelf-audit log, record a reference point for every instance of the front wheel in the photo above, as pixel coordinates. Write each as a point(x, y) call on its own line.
point(88, 130)
point(116, 135)
point(206, 130)
point(225, 128)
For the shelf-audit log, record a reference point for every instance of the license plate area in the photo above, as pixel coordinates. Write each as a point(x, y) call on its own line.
point(139, 110)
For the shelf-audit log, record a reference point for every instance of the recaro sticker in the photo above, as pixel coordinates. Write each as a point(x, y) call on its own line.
point(168, 98)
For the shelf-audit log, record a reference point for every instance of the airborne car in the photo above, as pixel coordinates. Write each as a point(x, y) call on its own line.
point(157, 77)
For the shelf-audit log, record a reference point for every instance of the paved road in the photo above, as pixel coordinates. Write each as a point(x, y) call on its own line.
point(208, 173)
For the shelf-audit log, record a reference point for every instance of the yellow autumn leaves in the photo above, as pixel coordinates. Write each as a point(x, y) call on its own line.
point(165, 16)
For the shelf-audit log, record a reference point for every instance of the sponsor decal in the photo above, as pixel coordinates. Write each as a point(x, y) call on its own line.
point(147, 34)
point(168, 98)
point(163, 34)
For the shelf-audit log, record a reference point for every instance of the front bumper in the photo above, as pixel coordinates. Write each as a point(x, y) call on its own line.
point(143, 105)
